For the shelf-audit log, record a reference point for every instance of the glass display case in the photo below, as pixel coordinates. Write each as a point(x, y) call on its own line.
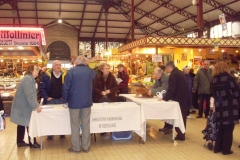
point(8, 88)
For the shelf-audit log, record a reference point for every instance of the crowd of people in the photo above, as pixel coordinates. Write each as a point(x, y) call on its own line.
point(81, 86)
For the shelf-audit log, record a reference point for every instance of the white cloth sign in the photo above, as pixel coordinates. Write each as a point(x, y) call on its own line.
point(105, 117)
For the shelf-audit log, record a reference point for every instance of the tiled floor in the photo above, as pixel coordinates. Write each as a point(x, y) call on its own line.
point(157, 146)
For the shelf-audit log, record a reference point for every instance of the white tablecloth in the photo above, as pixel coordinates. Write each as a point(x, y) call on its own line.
point(105, 117)
point(168, 111)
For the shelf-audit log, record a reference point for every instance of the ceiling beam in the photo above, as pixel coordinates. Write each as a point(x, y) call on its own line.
point(81, 21)
point(152, 10)
point(93, 2)
point(69, 19)
point(136, 5)
point(226, 10)
point(112, 32)
point(36, 12)
point(15, 7)
point(42, 10)
point(151, 16)
point(142, 27)
point(98, 20)
point(96, 39)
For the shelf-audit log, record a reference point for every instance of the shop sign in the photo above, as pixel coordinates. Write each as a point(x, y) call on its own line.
point(16, 36)
point(156, 58)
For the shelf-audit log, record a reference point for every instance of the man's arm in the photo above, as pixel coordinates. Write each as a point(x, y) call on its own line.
point(67, 86)
point(43, 86)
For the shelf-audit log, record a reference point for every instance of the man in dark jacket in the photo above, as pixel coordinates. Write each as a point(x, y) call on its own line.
point(201, 84)
point(123, 85)
point(178, 91)
point(77, 92)
point(51, 86)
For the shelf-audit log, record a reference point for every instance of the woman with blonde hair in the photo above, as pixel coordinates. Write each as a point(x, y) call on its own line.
point(226, 93)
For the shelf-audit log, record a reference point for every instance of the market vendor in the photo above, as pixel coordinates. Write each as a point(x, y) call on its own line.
point(161, 82)
point(122, 79)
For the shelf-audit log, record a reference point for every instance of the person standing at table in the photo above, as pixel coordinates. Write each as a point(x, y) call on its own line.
point(178, 91)
point(161, 83)
point(226, 93)
point(105, 85)
point(77, 93)
point(123, 85)
point(24, 102)
point(51, 86)
point(189, 79)
point(201, 84)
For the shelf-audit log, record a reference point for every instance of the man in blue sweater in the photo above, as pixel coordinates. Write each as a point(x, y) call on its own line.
point(77, 93)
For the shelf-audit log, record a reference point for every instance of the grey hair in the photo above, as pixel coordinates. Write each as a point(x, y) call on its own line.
point(55, 61)
point(158, 70)
point(81, 60)
point(170, 64)
point(207, 61)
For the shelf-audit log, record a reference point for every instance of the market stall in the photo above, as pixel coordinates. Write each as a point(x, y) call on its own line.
point(19, 47)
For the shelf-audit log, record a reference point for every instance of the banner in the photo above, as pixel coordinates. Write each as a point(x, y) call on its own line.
point(222, 20)
point(15, 36)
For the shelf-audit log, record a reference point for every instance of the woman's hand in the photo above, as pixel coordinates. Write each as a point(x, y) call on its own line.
point(49, 98)
point(107, 91)
point(39, 109)
point(103, 93)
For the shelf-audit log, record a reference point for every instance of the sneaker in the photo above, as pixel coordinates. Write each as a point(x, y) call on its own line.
point(188, 117)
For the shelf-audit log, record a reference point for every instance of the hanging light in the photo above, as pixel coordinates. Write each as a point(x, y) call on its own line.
point(59, 21)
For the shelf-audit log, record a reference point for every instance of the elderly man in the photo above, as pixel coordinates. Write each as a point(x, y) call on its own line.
point(77, 92)
point(201, 84)
point(178, 91)
point(51, 86)
point(161, 83)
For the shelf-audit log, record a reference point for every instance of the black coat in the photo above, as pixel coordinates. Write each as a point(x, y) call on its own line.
point(178, 89)
point(226, 93)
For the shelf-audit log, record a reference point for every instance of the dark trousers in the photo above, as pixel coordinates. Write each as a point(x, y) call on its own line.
point(203, 97)
point(184, 117)
point(224, 138)
point(21, 133)
point(177, 129)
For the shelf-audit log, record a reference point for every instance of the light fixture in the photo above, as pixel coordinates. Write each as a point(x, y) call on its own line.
point(199, 50)
point(33, 61)
point(222, 50)
point(24, 59)
point(18, 60)
point(1, 60)
point(185, 50)
point(10, 48)
point(236, 51)
point(213, 50)
point(59, 21)
point(25, 62)
point(20, 47)
point(1, 48)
